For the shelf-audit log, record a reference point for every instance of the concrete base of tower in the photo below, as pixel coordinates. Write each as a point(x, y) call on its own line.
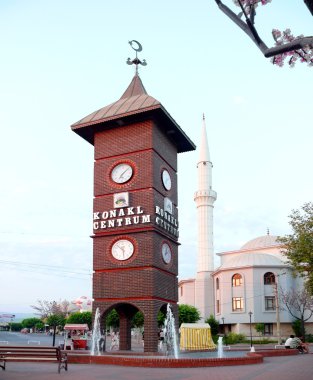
point(204, 294)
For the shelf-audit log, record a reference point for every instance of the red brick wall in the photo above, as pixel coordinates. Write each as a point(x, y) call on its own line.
point(147, 252)
point(144, 280)
point(135, 137)
point(135, 283)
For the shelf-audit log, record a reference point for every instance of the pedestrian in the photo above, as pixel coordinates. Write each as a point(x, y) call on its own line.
point(296, 343)
point(305, 346)
point(288, 341)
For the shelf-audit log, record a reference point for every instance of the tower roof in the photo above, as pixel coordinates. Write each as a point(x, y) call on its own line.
point(134, 105)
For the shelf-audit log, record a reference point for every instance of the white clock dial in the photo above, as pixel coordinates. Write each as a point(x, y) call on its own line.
point(166, 179)
point(166, 253)
point(122, 173)
point(122, 249)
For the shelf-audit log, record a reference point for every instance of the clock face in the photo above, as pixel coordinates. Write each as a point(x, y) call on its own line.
point(166, 179)
point(122, 173)
point(166, 253)
point(122, 249)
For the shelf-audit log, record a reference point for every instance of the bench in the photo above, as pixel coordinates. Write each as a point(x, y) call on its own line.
point(279, 346)
point(34, 354)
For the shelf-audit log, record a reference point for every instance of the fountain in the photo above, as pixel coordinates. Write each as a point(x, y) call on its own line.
point(220, 352)
point(203, 358)
point(170, 336)
point(96, 335)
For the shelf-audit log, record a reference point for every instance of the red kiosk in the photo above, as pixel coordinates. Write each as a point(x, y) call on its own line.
point(75, 336)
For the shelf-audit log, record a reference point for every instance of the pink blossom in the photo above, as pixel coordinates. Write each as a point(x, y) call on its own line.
point(304, 55)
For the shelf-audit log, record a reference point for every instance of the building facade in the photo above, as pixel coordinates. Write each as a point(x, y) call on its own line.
point(249, 284)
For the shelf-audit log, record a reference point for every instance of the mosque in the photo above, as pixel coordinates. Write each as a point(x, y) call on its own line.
point(245, 289)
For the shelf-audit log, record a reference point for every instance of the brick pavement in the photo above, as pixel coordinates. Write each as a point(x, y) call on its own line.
point(298, 367)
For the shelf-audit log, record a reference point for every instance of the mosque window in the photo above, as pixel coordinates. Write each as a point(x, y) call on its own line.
point(269, 303)
point(217, 284)
point(268, 328)
point(269, 278)
point(237, 280)
point(237, 304)
point(218, 307)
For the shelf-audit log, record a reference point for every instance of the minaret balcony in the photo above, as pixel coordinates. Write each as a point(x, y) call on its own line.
point(205, 193)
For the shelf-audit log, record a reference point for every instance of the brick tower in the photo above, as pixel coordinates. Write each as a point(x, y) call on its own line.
point(135, 222)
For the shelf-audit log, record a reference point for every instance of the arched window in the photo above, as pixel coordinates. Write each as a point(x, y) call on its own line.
point(217, 284)
point(237, 280)
point(269, 278)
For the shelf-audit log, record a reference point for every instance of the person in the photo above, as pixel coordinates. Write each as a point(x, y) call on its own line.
point(288, 341)
point(114, 342)
point(304, 346)
point(161, 338)
point(102, 344)
point(296, 343)
point(161, 335)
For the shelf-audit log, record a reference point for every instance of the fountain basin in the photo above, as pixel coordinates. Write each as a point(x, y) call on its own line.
point(185, 361)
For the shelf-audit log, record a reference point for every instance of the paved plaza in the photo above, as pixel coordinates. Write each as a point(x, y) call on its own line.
point(298, 367)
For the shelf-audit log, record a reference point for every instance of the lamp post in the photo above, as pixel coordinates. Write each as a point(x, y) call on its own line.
point(250, 314)
point(12, 318)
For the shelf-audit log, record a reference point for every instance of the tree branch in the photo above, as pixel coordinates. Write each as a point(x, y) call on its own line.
point(247, 27)
point(300, 43)
point(251, 31)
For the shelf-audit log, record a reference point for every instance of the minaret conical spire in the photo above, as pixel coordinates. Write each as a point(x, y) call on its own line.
point(204, 155)
point(204, 164)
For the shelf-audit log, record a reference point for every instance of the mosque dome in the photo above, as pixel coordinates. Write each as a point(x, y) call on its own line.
point(252, 259)
point(261, 242)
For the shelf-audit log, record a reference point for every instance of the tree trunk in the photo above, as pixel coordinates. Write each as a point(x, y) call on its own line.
point(302, 329)
point(54, 330)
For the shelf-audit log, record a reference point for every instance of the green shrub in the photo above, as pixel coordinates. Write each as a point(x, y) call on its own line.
point(262, 341)
point(233, 338)
point(81, 318)
point(15, 326)
point(213, 324)
point(259, 327)
point(309, 338)
point(297, 328)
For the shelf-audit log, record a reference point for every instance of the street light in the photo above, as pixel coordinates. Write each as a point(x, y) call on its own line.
point(250, 314)
point(12, 318)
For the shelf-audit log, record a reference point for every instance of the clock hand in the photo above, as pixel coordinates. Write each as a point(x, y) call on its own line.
point(122, 174)
point(123, 250)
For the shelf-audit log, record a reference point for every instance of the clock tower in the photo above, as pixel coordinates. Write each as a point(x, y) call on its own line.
point(135, 217)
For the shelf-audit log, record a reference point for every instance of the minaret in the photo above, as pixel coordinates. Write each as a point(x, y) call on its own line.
point(204, 198)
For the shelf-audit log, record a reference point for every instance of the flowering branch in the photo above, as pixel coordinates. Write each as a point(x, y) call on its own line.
point(305, 54)
point(286, 45)
point(248, 6)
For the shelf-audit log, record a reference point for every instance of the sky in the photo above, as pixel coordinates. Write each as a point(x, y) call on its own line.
point(62, 60)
